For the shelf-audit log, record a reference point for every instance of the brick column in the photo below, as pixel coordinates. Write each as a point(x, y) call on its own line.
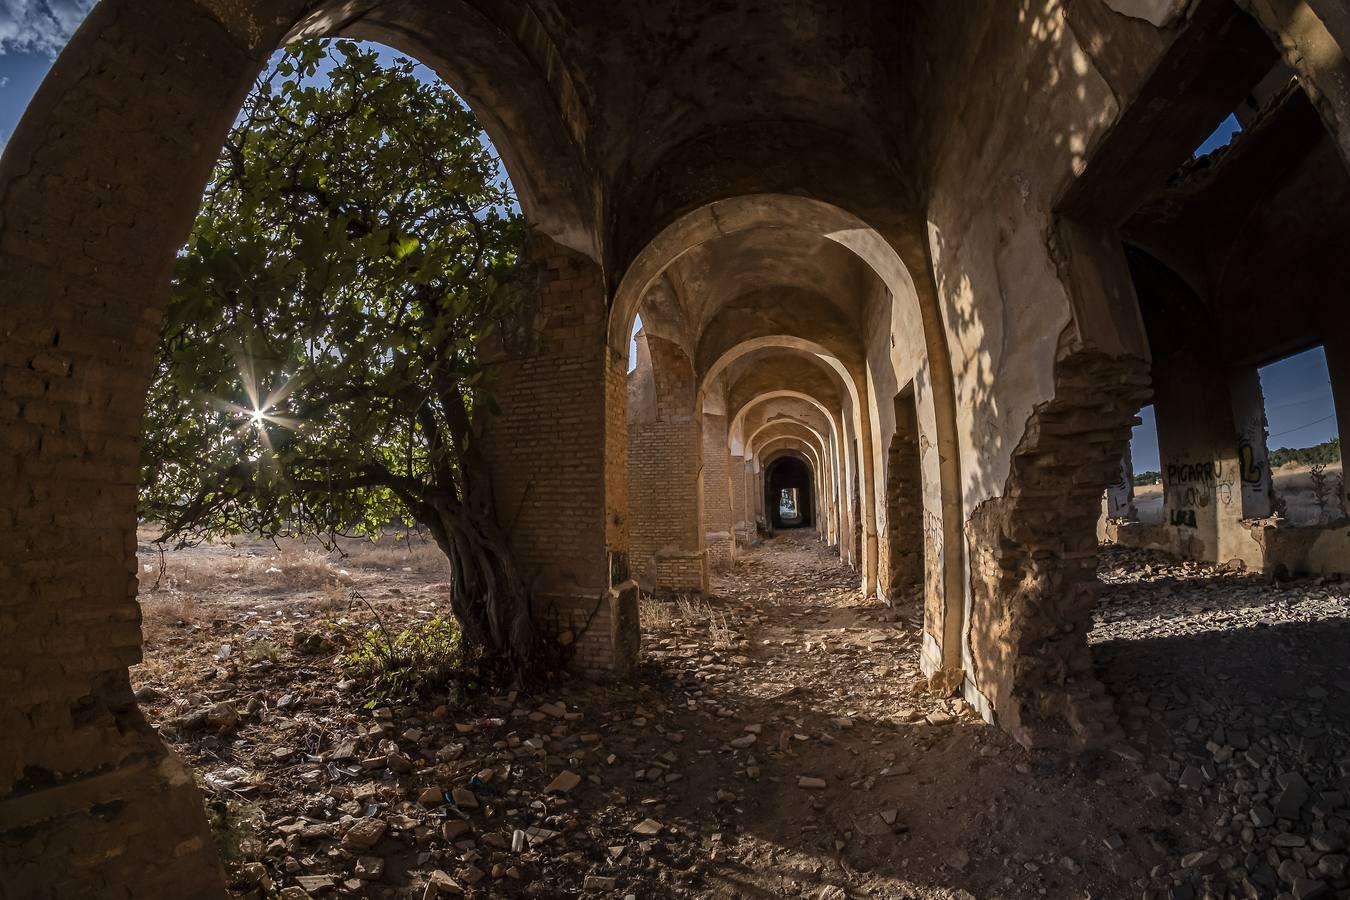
point(665, 452)
point(557, 448)
point(741, 518)
point(718, 522)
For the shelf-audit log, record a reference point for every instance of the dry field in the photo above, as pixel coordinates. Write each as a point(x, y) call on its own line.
point(1293, 484)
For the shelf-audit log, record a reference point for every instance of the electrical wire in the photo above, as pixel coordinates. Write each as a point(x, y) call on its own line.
point(1301, 427)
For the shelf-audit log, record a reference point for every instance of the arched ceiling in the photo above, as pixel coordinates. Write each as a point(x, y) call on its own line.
point(786, 428)
point(758, 282)
point(785, 318)
point(689, 71)
point(786, 261)
point(760, 415)
point(789, 446)
point(776, 369)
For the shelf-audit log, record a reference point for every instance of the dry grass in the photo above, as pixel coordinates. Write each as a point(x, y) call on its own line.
point(263, 650)
point(657, 615)
point(411, 554)
point(289, 569)
point(163, 612)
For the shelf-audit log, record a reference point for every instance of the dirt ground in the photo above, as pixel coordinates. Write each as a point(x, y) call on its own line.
point(777, 742)
point(1293, 485)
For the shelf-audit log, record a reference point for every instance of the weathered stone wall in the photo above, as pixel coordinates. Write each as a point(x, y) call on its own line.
point(901, 572)
point(897, 360)
point(1047, 351)
point(1034, 558)
point(718, 521)
point(665, 453)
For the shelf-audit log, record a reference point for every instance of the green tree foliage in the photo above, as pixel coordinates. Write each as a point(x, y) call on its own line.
point(1319, 454)
point(318, 370)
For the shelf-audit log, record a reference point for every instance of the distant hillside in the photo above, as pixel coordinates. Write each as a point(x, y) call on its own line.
point(1324, 453)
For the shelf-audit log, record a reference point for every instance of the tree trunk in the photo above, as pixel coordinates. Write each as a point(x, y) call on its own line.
point(487, 595)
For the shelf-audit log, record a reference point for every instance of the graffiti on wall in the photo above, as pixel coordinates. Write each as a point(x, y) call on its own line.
point(1251, 464)
point(1194, 473)
point(1196, 485)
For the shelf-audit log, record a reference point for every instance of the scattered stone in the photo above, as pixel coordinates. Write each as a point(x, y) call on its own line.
point(1200, 859)
point(364, 834)
point(563, 783)
point(648, 828)
point(369, 868)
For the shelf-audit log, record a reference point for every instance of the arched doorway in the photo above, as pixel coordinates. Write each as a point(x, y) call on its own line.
point(789, 493)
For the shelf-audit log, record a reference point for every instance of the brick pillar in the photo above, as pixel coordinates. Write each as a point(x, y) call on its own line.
point(719, 527)
point(741, 516)
point(900, 562)
point(557, 451)
point(665, 451)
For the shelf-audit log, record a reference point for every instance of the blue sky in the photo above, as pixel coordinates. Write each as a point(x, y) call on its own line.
point(32, 32)
point(1220, 137)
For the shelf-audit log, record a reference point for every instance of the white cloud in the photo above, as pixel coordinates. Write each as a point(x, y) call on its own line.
point(4, 80)
point(39, 26)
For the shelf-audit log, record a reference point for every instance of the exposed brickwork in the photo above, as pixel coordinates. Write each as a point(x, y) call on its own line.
point(718, 522)
point(680, 572)
point(900, 553)
point(741, 515)
point(664, 456)
point(92, 803)
point(603, 632)
point(1033, 557)
point(558, 390)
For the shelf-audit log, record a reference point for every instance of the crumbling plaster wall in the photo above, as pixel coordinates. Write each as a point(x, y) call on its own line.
point(1027, 331)
point(897, 356)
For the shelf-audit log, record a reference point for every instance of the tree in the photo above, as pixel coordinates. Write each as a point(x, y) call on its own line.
point(318, 370)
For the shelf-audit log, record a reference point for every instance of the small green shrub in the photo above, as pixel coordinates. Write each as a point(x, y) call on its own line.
point(263, 650)
point(417, 660)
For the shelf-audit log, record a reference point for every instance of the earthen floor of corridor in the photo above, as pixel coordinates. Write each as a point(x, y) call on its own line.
point(777, 741)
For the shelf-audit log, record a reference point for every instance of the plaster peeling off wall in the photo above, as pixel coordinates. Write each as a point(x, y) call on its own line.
point(991, 227)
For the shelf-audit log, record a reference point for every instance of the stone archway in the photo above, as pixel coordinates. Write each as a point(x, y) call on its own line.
point(96, 198)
